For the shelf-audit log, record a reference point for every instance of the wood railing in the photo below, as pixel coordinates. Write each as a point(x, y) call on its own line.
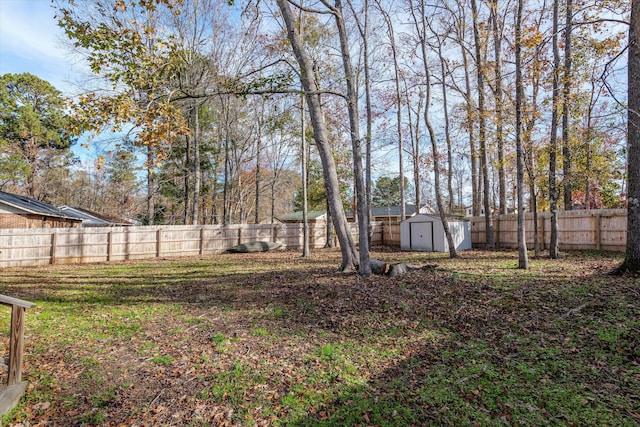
point(10, 395)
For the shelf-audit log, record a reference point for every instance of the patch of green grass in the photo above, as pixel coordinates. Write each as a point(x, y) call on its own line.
point(162, 359)
point(279, 312)
point(261, 332)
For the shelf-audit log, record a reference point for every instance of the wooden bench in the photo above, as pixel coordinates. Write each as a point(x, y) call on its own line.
point(10, 395)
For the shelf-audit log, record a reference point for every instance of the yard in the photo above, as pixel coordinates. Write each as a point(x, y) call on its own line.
point(275, 339)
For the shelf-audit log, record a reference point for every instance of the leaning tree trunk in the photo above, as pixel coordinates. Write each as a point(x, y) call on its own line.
point(350, 255)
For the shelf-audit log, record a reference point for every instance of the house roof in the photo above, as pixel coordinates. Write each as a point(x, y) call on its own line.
point(379, 211)
point(33, 206)
point(435, 217)
point(93, 218)
point(297, 216)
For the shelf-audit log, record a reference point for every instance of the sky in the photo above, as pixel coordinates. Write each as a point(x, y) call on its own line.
point(31, 41)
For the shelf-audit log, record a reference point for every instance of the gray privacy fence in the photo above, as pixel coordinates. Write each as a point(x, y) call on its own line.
point(581, 229)
point(29, 247)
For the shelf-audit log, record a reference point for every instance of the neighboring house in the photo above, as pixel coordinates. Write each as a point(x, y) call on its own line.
point(95, 219)
point(313, 216)
point(392, 213)
point(23, 212)
point(468, 211)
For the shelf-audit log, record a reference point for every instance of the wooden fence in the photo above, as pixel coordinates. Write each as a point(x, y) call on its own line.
point(594, 229)
point(29, 247)
point(581, 229)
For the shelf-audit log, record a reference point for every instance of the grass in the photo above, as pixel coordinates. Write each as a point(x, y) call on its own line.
point(274, 339)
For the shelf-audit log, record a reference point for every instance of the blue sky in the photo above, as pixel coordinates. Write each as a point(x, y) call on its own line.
point(31, 41)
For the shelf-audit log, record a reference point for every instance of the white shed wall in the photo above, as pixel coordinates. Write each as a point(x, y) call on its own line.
point(426, 233)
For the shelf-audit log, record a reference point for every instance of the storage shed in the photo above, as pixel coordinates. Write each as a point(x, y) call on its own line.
point(425, 232)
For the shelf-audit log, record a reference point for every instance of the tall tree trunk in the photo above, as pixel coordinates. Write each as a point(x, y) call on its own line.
point(632, 254)
point(227, 160)
point(364, 33)
point(447, 131)
point(498, 96)
point(484, 166)
point(567, 160)
point(197, 177)
point(187, 179)
point(421, 28)
point(553, 140)
point(470, 124)
point(523, 259)
point(350, 255)
point(151, 187)
point(356, 144)
point(305, 208)
point(396, 69)
point(414, 134)
point(530, 149)
point(258, 160)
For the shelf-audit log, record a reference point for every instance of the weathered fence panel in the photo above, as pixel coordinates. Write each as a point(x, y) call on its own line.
point(580, 229)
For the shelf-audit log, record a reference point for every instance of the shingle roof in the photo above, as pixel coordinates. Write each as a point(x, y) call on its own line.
point(297, 216)
point(378, 211)
point(32, 206)
point(94, 218)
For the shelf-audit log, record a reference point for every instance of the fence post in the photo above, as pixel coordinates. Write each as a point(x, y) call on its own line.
point(599, 231)
point(109, 245)
point(158, 243)
point(54, 243)
point(202, 241)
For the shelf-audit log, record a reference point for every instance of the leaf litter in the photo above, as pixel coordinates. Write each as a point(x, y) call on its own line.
point(276, 339)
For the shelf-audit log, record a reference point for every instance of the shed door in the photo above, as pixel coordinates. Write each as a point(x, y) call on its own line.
point(421, 236)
